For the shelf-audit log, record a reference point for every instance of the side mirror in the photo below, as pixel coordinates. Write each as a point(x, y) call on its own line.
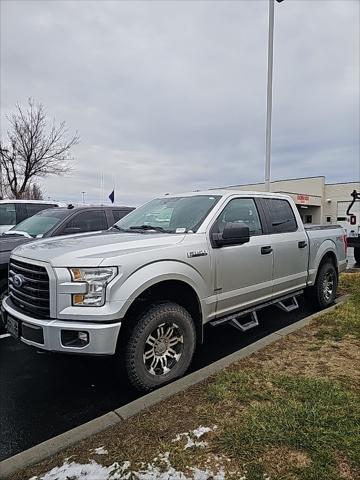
point(233, 234)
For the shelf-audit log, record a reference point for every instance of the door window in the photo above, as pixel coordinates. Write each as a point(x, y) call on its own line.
point(240, 210)
point(119, 214)
point(282, 218)
point(7, 214)
point(88, 221)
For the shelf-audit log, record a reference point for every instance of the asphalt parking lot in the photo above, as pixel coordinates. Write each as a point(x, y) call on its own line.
point(43, 395)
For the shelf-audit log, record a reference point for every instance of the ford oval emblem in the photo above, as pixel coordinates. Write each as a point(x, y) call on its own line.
point(18, 281)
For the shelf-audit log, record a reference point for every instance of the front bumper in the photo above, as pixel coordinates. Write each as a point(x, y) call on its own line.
point(49, 334)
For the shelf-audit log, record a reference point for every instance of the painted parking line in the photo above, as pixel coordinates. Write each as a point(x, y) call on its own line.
point(5, 335)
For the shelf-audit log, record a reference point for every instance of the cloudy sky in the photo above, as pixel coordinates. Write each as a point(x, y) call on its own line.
point(169, 96)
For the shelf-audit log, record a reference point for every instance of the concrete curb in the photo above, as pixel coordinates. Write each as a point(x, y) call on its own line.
point(56, 444)
point(60, 442)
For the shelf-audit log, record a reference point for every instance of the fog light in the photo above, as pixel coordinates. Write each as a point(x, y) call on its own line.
point(78, 299)
point(83, 336)
point(74, 338)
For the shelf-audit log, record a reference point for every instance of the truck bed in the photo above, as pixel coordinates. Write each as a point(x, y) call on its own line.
point(322, 236)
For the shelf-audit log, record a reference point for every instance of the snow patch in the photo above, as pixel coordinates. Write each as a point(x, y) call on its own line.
point(100, 451)
point(151, 471)
point(197, 433)
point(78, 471)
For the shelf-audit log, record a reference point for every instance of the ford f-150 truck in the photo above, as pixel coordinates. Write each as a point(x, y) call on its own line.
point(145, 289)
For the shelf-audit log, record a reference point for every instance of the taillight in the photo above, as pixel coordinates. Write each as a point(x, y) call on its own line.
point(344, 239)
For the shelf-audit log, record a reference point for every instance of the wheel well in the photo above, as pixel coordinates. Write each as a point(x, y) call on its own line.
point(329, 257)
point(170, 290)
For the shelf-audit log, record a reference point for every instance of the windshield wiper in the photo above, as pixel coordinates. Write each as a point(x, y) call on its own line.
point(116, 227)
point(149, 227)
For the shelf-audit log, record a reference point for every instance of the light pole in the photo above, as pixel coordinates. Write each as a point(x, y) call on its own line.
point(83, 197)
point(269, 94)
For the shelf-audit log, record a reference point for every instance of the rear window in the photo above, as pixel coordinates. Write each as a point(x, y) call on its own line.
point(282, 218)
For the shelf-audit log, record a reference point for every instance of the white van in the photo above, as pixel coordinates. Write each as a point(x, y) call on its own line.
point(352, 229)
point(15, 211)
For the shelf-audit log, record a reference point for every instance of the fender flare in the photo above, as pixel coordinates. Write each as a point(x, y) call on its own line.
point(326, 247)
point(155, 273)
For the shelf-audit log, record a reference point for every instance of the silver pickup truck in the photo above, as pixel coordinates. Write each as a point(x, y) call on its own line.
point(145, 288)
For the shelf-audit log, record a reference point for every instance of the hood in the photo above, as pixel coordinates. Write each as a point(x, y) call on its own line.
point(92, 249)
point(9, 242)
point(5, 228)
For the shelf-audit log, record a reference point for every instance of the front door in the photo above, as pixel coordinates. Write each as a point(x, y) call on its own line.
point(243, 273)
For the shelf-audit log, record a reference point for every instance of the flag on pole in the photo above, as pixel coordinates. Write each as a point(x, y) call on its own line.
point(112, 196)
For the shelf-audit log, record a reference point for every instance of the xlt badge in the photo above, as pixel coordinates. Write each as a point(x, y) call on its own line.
point(197, 253)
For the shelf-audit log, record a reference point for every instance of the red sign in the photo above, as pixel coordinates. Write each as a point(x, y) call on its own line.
point(303, 198)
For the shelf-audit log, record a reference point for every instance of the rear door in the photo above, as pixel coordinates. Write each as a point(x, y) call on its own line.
point(290, 246)
point(243, 273)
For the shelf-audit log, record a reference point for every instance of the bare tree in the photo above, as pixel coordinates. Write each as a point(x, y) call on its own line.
point(34, 148)
point(33, 192)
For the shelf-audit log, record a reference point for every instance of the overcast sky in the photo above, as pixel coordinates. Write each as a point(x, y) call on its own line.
point(170, 96)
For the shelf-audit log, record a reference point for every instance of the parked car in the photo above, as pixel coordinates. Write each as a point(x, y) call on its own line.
point(15, 211)
point(53, 222)
point(145, 291)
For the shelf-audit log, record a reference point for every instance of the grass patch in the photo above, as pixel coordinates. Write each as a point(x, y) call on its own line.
point(315, 418)
point(345, 320)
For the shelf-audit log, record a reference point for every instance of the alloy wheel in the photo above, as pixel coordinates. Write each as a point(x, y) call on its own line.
point(163, 349)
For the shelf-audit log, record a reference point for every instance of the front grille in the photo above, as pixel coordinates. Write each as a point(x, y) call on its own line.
point(29, 288)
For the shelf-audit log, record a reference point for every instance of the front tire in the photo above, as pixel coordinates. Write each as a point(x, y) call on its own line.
point(323, 293)
point(160, 346)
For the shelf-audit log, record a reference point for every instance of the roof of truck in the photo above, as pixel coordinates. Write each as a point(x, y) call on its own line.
point(227, 192)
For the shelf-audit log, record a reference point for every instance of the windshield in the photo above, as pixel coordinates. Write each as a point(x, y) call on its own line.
point(7, 214)
point(40, 223)
point(170, 215)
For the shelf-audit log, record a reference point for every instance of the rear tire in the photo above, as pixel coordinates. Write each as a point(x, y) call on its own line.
point(323, 293)
point(160, 346)
point(357, 255)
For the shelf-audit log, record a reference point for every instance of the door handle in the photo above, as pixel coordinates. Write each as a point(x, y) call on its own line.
point(266, 250)
point(302, 244)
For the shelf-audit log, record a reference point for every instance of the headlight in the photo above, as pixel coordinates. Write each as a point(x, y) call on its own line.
point(96, 280)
